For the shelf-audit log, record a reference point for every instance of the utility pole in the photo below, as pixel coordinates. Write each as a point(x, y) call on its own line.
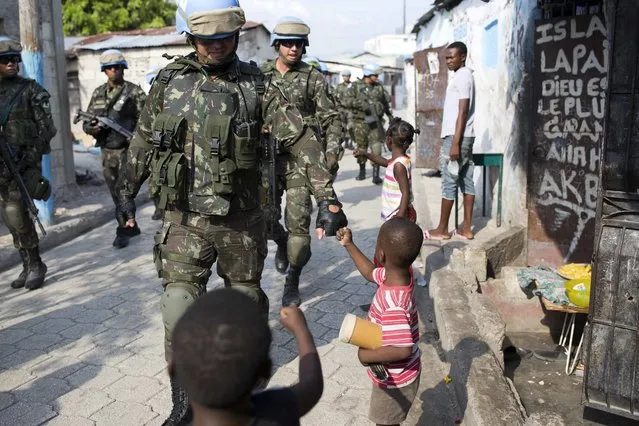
point(33, 62)
point(404, 20)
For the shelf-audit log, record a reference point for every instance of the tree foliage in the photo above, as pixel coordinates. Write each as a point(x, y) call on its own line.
point(88, 17)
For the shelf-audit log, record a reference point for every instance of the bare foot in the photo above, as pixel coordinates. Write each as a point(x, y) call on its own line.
point(465, 235)
point(436, 234)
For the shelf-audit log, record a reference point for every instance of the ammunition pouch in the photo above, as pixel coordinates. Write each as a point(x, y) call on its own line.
point(168, 182)
point(169, 165)
point(38, 186)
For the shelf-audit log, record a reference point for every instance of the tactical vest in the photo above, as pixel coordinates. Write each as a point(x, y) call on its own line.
point(20, 128)
point(118, 108)
point(207, 138)
point(303, 100)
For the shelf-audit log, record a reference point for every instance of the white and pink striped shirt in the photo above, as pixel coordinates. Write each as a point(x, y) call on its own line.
point(394, 309)
point(391, 194)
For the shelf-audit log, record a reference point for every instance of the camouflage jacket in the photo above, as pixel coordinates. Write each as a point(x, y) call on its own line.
point(222, 118)
point(29, 127)
point(342, 93)
point(121, 103)
point(362, 98)
point(304, 87)
point(382, 96)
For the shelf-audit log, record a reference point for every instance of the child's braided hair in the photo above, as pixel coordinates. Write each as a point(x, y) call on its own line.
point(401, 132)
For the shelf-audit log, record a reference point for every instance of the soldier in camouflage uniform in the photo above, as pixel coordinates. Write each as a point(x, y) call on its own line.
point(304, 87)
point(122, 101)
point(28, 130)
point(198, 142)
point(342, 91)
point(380, 93)
point(368, 112)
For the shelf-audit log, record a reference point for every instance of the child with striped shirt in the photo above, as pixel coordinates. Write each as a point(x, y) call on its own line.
point(397, 195)
point(394, 309)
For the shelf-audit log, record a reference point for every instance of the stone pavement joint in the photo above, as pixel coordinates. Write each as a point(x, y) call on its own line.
point(87, 349)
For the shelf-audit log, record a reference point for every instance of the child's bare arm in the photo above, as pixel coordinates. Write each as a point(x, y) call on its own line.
point(377, 159)
point(308, 390)
point(363, 263)
point(401, 175)
point(384, 355)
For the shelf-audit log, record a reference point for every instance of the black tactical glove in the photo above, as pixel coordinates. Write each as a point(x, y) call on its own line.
point(328, 220)
point(125, 211)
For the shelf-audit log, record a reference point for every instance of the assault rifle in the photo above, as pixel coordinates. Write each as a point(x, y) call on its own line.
point(104, 122)
point(270, 151)
point(6, 154)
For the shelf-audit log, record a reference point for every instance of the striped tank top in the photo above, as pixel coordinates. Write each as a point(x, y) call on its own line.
point(391, 195)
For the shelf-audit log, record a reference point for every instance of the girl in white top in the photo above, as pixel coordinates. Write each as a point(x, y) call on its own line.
point(397, 195)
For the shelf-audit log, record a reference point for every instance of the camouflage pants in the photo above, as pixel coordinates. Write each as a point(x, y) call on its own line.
point(297, 217)
point(367, 137)
point(189, 244)
point(112, 162)
point(16, 217)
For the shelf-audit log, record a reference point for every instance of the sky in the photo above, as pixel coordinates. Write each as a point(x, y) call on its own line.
point(338, 26)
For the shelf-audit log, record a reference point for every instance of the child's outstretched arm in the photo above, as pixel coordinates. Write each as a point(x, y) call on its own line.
point(308, 390)
point(377, 159)
point(401, 176)
point(363, 263)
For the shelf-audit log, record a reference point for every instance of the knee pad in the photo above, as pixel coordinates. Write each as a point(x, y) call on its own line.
point(176, 299)
point(299, 249)
point(255, 292)
point(14, 217)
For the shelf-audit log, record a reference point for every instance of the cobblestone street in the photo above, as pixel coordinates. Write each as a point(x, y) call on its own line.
point(88, 347)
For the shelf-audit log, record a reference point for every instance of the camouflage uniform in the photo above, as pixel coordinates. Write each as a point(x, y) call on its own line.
point(342, 93)
point(28, 131)
point(198, 140)
point(123, 104)
point(362, 97)
point(304, 87)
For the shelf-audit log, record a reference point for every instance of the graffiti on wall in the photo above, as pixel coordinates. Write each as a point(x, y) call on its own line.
point(569, 89)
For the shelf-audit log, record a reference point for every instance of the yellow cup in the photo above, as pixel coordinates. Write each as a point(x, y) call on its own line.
point(360, 332)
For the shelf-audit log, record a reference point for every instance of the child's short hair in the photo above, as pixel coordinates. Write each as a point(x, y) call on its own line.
point(402, 132)
point(401, 240)
point(220, 345)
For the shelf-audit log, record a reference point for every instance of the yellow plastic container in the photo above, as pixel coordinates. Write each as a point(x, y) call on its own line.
point(578, 291)
point(572, 271)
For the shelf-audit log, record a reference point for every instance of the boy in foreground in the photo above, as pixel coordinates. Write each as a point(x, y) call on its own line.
point(221, 356)
point(394, 309)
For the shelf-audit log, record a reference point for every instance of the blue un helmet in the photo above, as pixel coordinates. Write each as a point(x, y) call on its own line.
point(209, 19)
point(313, 61)
point(369, 70)
point(112, 57)
point(10, 47)
point(290, 28)
point(346, 73)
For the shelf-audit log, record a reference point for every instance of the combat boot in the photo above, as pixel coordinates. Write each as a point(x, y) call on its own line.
point(376, 179)
point(291, 294)
point(36, 269)
point(181, 413)
point(281, 255)
point(121, 238)
point(362, 172)
point(22, 278)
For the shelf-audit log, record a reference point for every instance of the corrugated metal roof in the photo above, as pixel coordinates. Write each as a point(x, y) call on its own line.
point(70, 41)
point(135, 41)
point(140, 38)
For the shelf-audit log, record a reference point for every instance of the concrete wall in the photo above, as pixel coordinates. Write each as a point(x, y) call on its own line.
point(499, 39)
point(254, 45)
